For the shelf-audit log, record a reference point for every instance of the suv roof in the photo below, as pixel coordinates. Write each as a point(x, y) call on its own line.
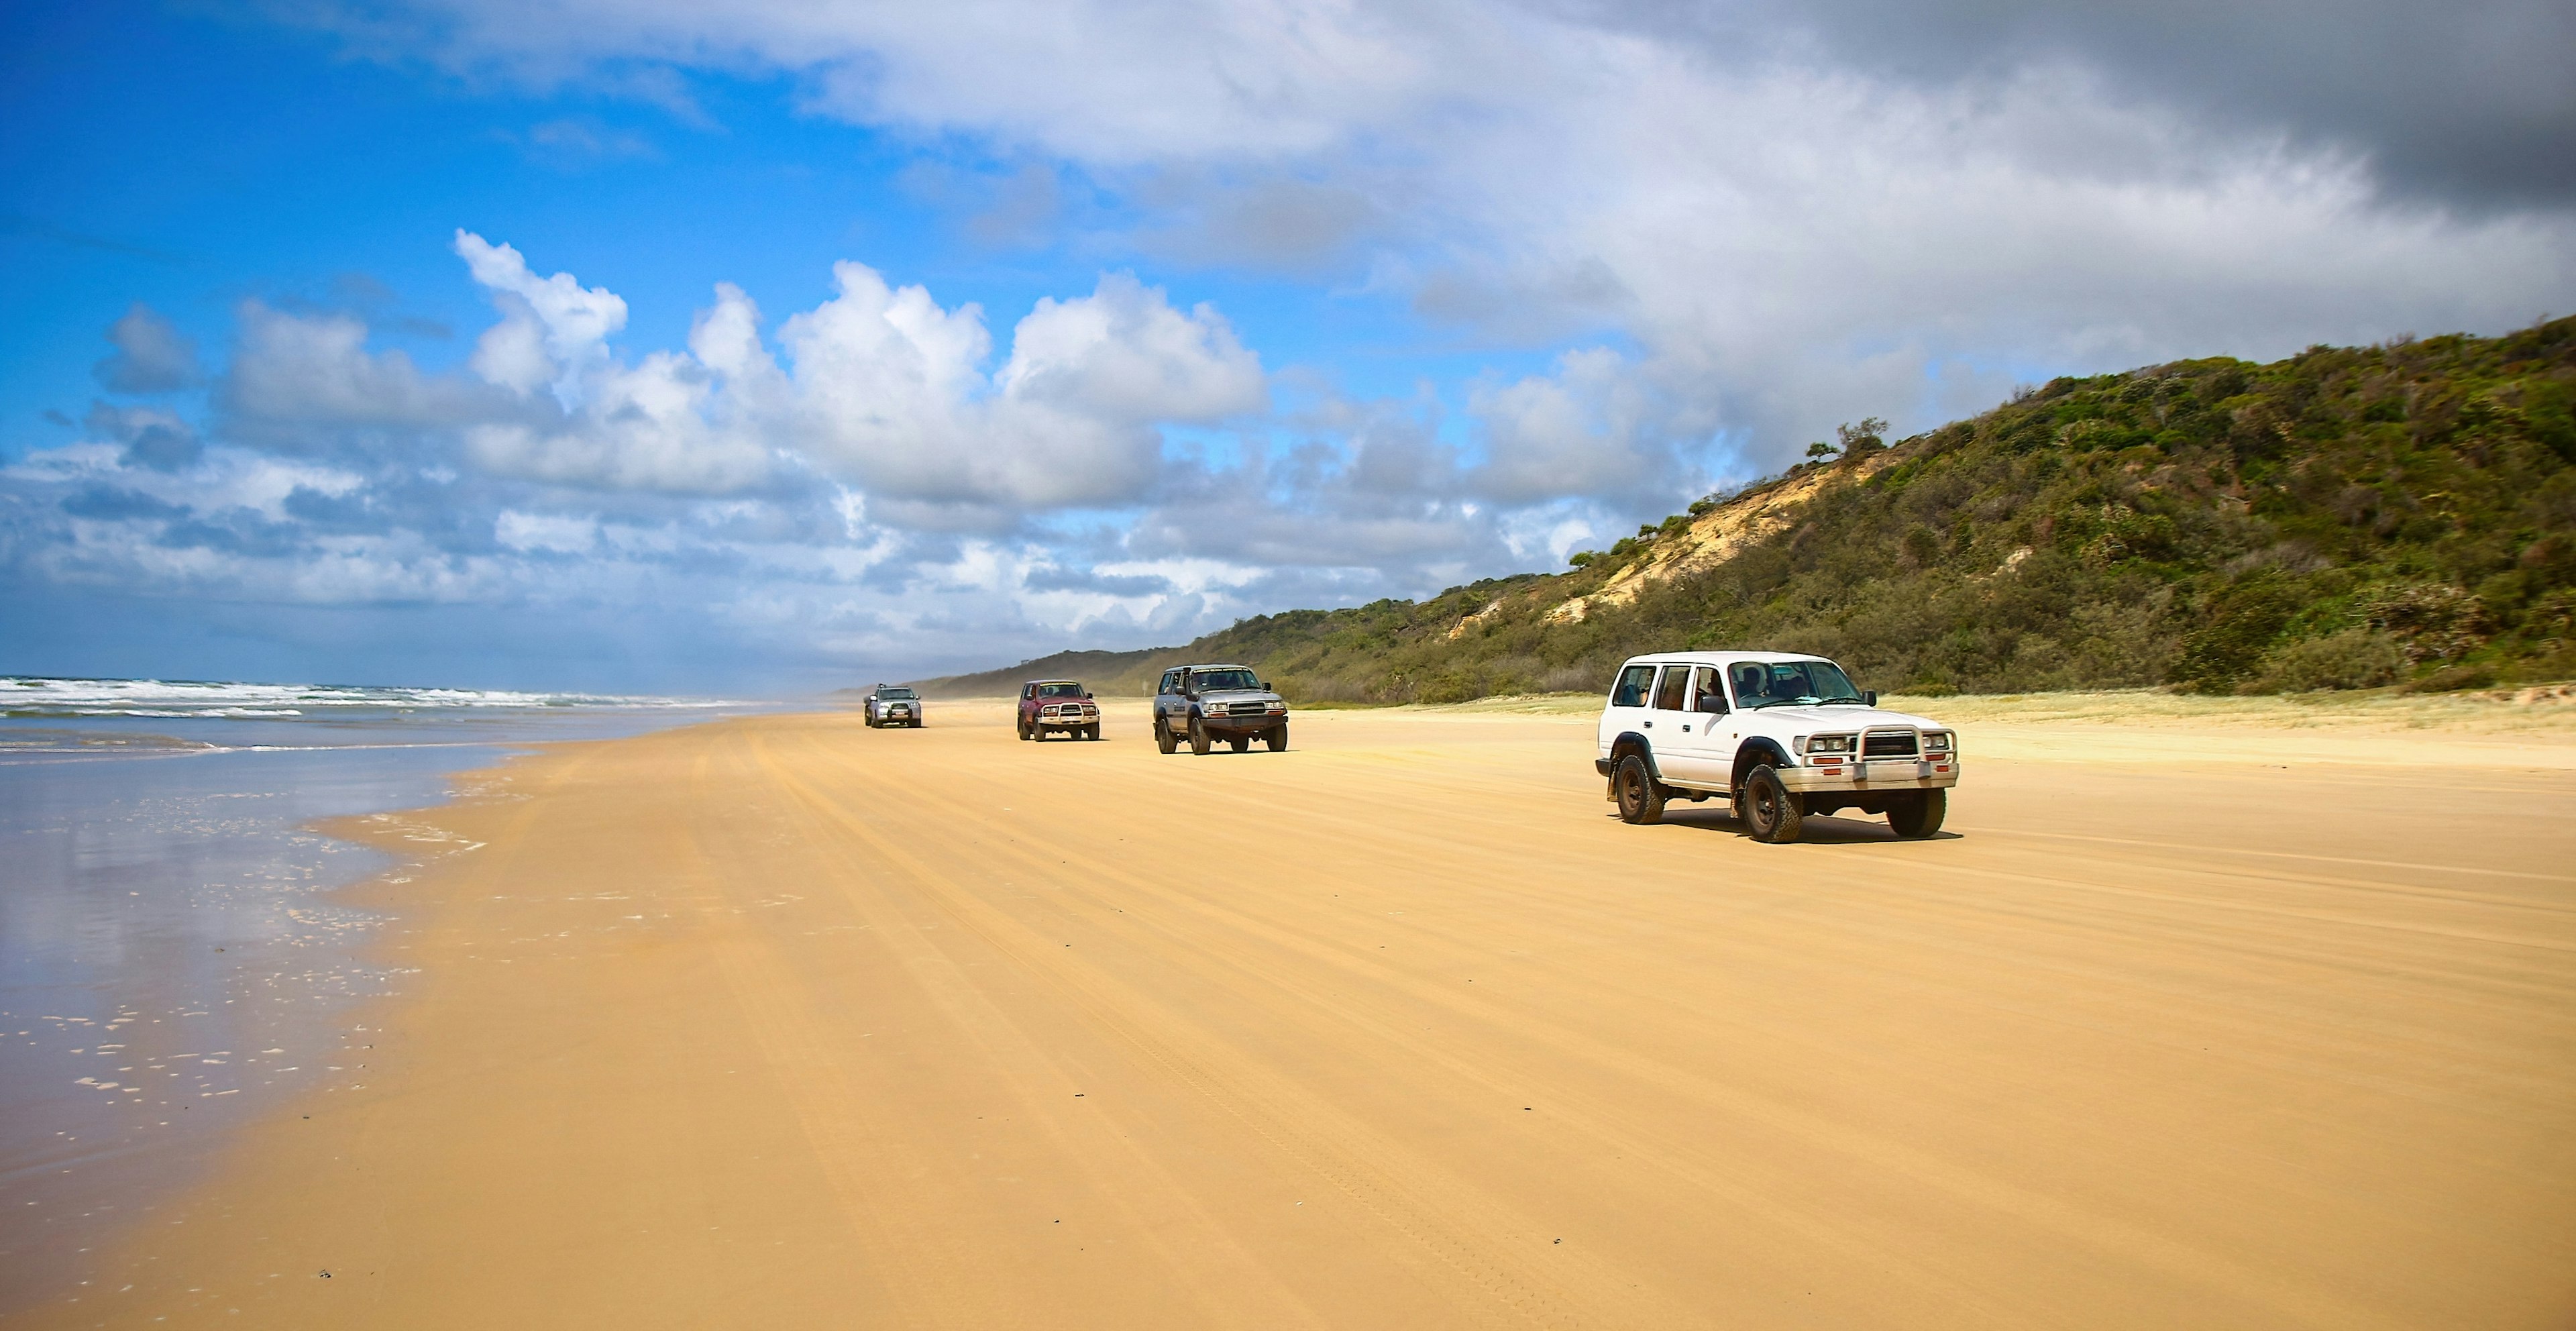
point(1050, 681)
point(1716, 658)
point(1213, 665)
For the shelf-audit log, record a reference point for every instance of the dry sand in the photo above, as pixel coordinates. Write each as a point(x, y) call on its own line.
point(786, 1022)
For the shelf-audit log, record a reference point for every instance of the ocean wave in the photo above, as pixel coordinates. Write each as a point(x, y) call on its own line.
point(37, 696)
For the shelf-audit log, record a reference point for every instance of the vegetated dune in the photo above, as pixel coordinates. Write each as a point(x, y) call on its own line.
point(2345, 518)
point(788, 1022)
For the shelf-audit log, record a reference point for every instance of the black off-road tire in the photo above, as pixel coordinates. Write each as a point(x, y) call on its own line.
point(1241, 743)
point(1163, 736)
point(1023, 728)
point(1919, 813)
point(1277, 738)
point(1091, 731)
point(1198, 737)
point(1770, 809)
point(1632, 784)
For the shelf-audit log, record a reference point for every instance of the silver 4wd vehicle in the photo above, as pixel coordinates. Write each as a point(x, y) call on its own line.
point(1779, 736)
point(1206, 703)
point(892, 705)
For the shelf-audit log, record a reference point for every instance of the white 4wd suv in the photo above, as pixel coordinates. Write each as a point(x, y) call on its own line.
point(1780, 736)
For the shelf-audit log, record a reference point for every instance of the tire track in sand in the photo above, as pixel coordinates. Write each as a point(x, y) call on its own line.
point(1450, 1233)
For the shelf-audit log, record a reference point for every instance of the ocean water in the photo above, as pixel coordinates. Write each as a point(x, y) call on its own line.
point(170, 960)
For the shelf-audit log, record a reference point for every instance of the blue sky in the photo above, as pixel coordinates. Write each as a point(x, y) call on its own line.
point(385, 343)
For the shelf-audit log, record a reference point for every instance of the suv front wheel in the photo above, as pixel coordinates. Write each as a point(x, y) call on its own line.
point(1770, 811)
point(1198, 737)
point(1918, 813)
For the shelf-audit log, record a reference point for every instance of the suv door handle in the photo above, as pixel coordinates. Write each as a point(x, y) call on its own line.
point(1650, 725)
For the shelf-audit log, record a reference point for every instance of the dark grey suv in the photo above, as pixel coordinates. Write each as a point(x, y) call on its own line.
point(1205, 703)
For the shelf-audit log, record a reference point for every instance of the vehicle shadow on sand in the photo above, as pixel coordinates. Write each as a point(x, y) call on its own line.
point(1828, 830)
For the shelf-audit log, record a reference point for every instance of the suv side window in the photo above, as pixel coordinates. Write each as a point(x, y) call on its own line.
point(1707, 694)
point(1171, 681)
point(1750, 682)
point(1634, 683)
point(1668, 698)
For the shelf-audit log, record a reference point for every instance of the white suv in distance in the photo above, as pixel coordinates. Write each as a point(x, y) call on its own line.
point(891, 705)
point(1780, 736)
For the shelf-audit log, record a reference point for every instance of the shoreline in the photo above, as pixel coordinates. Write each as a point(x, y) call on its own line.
point(706, 1010)
point(191, 936)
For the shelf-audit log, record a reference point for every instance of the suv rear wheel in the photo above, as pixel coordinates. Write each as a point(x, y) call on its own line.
point(1163, 736)
point(1640, 799)
point(1769, 808)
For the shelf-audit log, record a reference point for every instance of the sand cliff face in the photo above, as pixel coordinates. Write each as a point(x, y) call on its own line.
point(1717, 535)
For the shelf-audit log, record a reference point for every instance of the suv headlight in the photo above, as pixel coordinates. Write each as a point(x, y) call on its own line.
point(1275, 707)
point(1830, 744)
point(1936, 741)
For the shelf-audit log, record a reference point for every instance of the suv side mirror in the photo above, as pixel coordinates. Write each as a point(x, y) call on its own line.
point(1086, 695)
point(1262, 684)
point(1870, 696)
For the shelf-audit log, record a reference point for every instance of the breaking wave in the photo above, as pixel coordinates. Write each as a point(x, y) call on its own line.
point(32, 696)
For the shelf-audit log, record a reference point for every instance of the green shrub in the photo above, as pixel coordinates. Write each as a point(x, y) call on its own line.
point(2450, 678)
point(2359, 658)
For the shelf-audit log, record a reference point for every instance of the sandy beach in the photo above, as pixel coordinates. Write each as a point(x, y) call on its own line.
point(787, 1022)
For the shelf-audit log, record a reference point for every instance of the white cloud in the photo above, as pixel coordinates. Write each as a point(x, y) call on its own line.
point(1783, 237)
point(1589, 428)
point(553, 330)
point(525, 532)
point(151, 355)
point(889, 390)
point(294, 371)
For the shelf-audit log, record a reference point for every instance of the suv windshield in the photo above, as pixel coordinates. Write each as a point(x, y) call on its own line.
point(1207, 680)
point(1777, 683)
point(1059, 690)
point(894, 693)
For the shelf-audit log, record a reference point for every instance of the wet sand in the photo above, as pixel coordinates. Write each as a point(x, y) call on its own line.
point(788, 1022)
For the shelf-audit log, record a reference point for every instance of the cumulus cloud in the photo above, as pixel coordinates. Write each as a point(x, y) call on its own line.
point(156, 439)
point(888, 389)
point(297, 375)
point(151, 356)
point(870, 474)
point(1590, 428)
point(553, 331)
point(879, 386)
point(1784, 218)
